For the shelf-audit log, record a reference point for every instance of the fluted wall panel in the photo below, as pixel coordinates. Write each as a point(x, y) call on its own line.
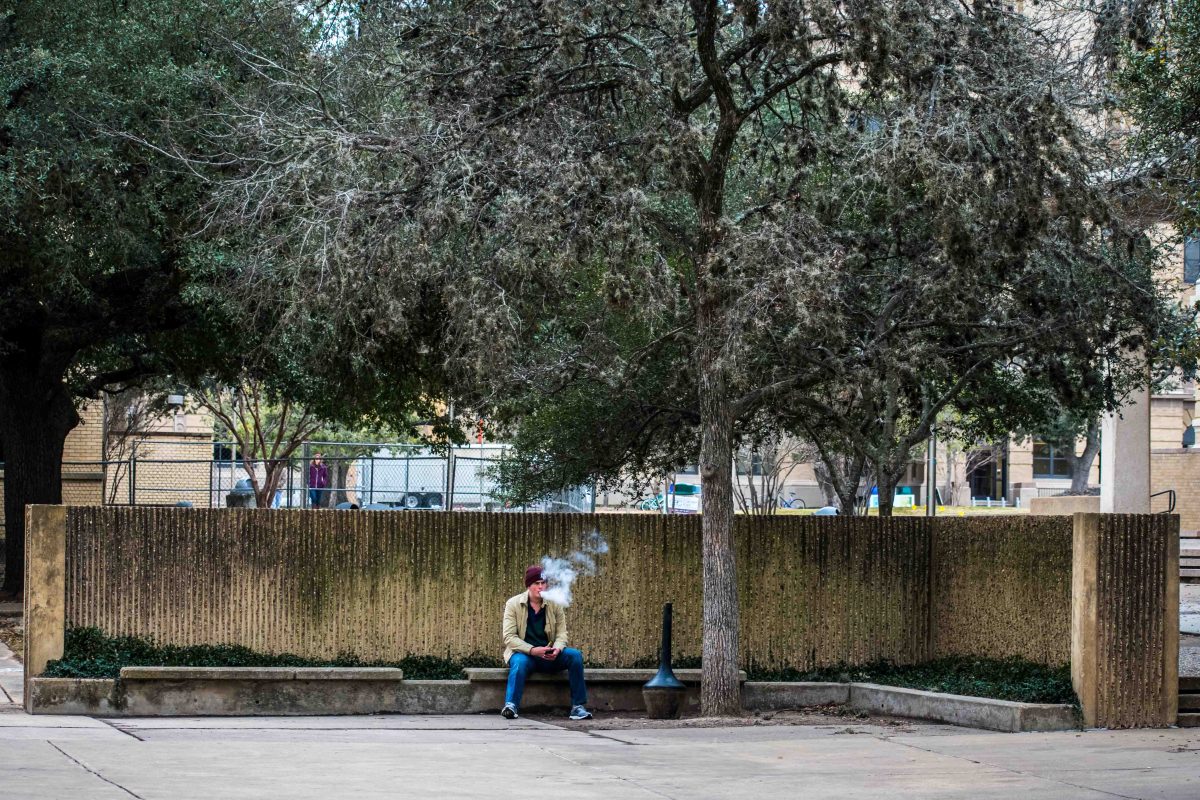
point(1135, 607)
point(1002, 587)
point(381, 585)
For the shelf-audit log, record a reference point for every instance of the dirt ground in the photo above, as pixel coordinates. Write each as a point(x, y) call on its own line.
point(815, 715)
point(12, 635)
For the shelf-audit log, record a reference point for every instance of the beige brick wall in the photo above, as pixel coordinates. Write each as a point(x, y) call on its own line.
point(85, 443)
point(169, 471)
point(1020, 467)
point(1177, 469)
point(1169, 416)
point(82, 482)
point(84, 478)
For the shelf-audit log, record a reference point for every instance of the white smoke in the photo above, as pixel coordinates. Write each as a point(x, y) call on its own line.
point(560, 573)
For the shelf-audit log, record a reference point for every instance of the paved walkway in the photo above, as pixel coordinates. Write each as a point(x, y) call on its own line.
point(11, 679)
point(1189, 629)
point(51, 757)
point(486, 757)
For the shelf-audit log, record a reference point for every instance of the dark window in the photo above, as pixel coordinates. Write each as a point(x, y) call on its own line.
point(689, 469)
point(1191, 259)
point(753, 466)
point(1049, 461)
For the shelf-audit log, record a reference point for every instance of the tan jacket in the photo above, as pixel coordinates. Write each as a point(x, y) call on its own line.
point(516, 615)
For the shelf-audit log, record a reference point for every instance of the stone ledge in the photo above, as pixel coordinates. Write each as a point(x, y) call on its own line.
point(782, 695)
point(971, 712)
point(485, 674)
point(241, 697)
point(73, 696)
point(261, 674)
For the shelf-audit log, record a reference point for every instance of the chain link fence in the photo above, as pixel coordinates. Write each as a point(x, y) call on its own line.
point(325, 475)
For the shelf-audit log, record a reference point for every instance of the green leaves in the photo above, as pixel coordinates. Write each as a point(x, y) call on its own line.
point(89, 653)
point(1159, 85)
point(1004, 679)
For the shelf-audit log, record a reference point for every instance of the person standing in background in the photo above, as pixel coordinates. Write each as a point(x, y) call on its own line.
point(318, 481)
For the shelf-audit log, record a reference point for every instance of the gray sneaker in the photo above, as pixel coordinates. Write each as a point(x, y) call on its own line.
point(509, 711)
point(579, 712)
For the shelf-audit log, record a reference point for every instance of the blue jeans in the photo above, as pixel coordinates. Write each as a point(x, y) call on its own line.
point(520, 665)
point(315, 496)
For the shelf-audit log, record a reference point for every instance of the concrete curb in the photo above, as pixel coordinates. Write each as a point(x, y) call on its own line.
point(782, 695)
point(972, 712)
point(285, 692)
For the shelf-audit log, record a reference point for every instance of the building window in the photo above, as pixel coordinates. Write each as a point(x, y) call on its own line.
point(1049, 461)
point(1191, 258)
point(751, 466)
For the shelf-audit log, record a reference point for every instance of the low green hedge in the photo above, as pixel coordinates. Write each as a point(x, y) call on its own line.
point(89, 653)
point(1002, 679)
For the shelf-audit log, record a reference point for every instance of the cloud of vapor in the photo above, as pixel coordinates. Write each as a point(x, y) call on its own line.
point(560, 573)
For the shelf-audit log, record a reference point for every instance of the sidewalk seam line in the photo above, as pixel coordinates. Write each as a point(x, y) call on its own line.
point(94, 772)
point(1014, 771)
point(603, 771)
point(116, 727)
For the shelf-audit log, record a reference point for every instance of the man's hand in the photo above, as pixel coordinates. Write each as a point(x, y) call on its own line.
point(546, 653)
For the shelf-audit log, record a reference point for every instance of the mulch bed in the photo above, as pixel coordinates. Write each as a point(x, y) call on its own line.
point(12, 634)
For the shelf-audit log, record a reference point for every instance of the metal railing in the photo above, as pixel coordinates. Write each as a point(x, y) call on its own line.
point(1170, 493)
point(376, 476)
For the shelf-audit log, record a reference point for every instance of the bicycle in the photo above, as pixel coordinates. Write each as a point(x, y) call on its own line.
point(655, 503)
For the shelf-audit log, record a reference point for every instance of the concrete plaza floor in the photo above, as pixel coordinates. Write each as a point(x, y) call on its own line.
point(487, 757)
point(80, 758)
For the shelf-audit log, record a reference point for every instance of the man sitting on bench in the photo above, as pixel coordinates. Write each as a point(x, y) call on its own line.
point(531, 624)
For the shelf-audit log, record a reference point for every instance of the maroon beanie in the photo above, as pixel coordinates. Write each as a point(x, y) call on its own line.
point(532, 574)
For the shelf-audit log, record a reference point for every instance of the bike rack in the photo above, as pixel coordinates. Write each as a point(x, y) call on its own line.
point(1170, 493)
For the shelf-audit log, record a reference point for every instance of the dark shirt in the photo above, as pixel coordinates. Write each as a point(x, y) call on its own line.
point(318, 476)
point(535, 627)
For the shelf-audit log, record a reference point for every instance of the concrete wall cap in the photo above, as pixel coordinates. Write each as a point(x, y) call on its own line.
point(349, 674)
point(975, 712)
point(208, 673)
point(261, 674)
point(966, 698)
point(481, 674)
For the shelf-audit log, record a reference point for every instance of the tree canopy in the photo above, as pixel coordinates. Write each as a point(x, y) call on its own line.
point(649, 227)
point(105, 281)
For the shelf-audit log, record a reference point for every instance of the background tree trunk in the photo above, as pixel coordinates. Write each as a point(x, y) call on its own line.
point(720, 693)
point(1081, 465)
point(35, 418)
point(887, 490)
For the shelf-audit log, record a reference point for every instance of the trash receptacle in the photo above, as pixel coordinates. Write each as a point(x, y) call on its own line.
point(242, 495)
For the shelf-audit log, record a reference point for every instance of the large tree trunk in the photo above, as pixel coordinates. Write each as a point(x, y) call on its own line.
point(35, 418)
point(720, 693)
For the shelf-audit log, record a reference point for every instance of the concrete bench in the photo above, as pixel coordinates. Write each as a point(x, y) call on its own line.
point(608, 689)
point(285, 691)
point(205, 691)
point(261, 674)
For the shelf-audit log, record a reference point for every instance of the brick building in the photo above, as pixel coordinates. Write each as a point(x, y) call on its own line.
point(173, 455)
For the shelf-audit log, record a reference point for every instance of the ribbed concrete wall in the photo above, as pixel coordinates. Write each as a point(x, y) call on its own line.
point(814, 591)
point(1002, 587)
point(1125, 642)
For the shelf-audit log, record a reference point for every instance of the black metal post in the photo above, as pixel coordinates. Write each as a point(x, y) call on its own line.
point(665, 679)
